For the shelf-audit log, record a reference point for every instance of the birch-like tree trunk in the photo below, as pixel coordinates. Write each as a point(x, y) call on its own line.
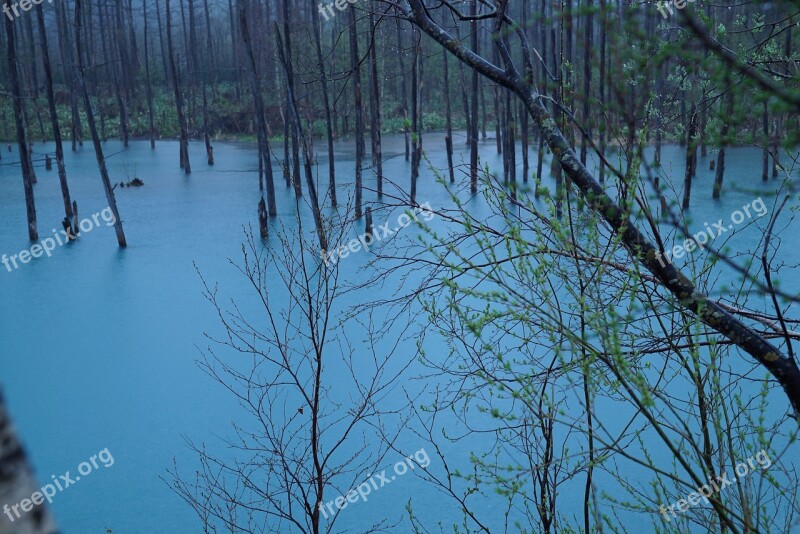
point(17, 482)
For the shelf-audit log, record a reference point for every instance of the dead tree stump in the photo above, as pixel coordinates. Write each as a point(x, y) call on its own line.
point(368, 215)
point(262, 218)
point(75, 220)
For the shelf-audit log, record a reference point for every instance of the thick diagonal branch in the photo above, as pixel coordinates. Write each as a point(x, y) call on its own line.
point(783, 368)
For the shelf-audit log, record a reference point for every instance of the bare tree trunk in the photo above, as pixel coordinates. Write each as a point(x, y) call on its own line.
point(65, 45)
point(776, 146)
point(720, 170)
point(124, 67)
point(473, 133)
point(204, 75)
point(558, 66)
point(359, 119)
point(298, 189)
point(375, 98)
point(98, 149)
point(164, 60)
point(765, 150)
point(262, 217)
point(465, 102)
point(511, 148)
point(498, 114)
point(602, 88)
point(403, 93)
point(206, 135)
point(448, 139)
point(587, 78)
point(543, 77)
point(148, 82)
point(327, 102)
point(416, 120)
point(287, 164)
point(258, 102)
point(307, 157)
point(691, 155)
point(176, 85)
point(659, 117)
point(24, 156)
point(522, 115)
point(703, 148)
point(51, 103)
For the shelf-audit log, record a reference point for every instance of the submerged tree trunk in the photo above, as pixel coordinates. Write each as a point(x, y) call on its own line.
point(24, 156)
point(587, 78)
point(261, 120)
point(262, 219)
point(289, 68)
point(602, 85)
point(51, 104)
point(123, 78)
point(416, 120)
point(327, 103)
point(691, 157)
point(307, 156)
point(359, 119)
point(510, 145)
point(720, 170)
point(473, 131)
point(448, 139)
point(176, 85)
point(403, 93)
point(148, 83)
point(776, 147)
point(287, 164)
point(65, 45)
point(543, 77)
point(765, 150)
point(98, 149)
point(375, 99)
point(206, 134)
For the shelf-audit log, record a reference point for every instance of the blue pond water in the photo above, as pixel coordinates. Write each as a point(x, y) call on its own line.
point(98, 345)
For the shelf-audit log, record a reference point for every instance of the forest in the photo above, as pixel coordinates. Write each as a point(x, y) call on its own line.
point(399, 265)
